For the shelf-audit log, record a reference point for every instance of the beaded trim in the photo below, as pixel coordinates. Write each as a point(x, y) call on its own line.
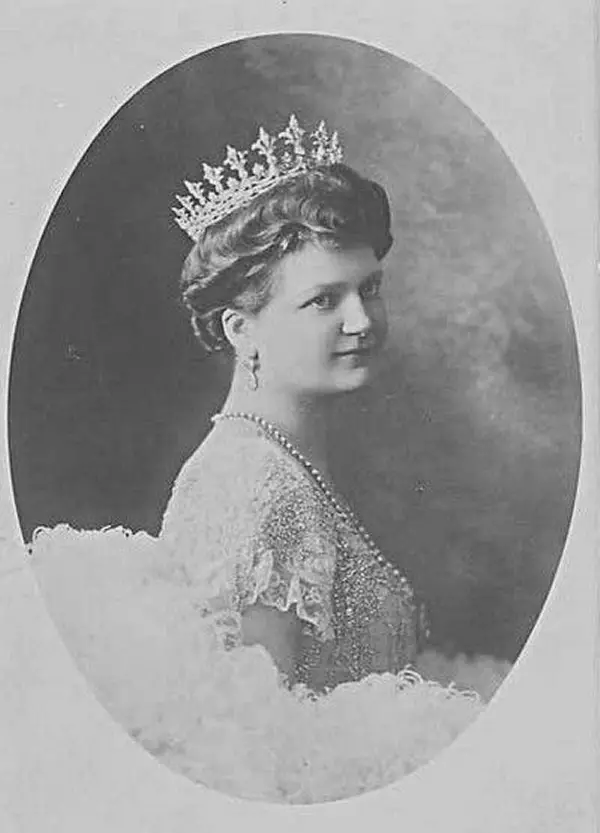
point(345, 514)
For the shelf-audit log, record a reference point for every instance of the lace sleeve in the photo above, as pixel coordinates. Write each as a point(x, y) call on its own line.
point(290, 559)
point(252, 528)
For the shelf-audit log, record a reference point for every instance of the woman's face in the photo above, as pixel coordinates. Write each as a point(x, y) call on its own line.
point(325, 322)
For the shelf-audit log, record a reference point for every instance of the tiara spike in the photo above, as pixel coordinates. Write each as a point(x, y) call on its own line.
point(213, 176)
point(265, 145)
point(244, 174)
point(236, 161)
point(196, 190)
point(292, 135)
point(335, 148)
point(320, 143)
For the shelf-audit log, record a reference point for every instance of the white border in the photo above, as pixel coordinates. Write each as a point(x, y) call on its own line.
point(526, 67)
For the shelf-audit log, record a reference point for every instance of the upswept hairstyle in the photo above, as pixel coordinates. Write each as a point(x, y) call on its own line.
point(231, 265)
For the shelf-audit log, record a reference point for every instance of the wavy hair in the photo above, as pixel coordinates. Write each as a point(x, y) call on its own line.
point(232, 264)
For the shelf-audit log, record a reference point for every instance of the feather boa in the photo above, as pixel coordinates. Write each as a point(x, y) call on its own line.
point(224, 719)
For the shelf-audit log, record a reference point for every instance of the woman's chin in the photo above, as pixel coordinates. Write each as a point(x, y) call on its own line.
point(355, 378)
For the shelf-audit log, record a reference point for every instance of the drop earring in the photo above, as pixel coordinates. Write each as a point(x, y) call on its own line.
point(251, 366)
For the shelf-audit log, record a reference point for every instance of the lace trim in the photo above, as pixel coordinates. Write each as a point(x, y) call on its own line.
point(253, 529)
point(273, 584)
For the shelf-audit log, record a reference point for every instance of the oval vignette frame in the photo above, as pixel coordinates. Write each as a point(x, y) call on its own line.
point(105, 332)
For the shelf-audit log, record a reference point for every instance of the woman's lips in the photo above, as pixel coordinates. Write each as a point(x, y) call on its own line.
point(365, 350)
point(359, 356)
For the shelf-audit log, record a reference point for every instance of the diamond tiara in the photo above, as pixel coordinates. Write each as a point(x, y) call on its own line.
point(283, 157)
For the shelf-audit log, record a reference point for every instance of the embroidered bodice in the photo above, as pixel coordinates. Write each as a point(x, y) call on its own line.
point(247, 522)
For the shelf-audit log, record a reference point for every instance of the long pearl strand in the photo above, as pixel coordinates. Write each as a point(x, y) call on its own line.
point(343, 513)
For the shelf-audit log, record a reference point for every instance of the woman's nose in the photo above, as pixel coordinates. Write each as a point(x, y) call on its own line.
point(356, 318)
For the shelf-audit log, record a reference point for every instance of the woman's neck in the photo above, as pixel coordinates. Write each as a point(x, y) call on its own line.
point(304, 420)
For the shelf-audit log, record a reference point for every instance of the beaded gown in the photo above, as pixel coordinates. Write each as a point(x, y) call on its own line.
point(255, 523)
point(155, 623)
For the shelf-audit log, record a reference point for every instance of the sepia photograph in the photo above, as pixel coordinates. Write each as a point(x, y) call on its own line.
point(294, 417)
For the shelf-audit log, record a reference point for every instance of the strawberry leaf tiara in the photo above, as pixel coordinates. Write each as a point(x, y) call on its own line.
point(244, 174)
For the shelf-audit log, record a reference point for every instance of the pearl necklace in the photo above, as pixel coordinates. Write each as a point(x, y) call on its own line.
point(345, 514)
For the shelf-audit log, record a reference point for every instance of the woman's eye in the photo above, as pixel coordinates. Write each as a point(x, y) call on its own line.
point(323, 302)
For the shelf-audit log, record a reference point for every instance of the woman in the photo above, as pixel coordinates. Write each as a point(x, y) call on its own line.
point(261, 572)
point(289, 279)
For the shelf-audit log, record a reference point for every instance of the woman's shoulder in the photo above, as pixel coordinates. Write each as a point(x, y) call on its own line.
point(236, 470)
point(238, 456)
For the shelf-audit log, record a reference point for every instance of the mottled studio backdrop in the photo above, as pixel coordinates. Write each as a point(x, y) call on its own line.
point(464, 455)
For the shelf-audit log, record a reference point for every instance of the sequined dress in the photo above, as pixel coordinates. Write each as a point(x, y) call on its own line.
point(155, 625)
point(249, 524)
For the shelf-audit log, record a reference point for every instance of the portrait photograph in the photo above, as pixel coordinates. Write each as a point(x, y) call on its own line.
point(295, 410)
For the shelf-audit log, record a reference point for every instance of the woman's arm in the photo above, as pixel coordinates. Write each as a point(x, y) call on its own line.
point(275, 630)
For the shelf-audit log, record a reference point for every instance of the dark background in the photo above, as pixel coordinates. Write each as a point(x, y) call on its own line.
point(464, 456)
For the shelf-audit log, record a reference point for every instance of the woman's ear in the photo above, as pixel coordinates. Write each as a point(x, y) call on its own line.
point(236, 327)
